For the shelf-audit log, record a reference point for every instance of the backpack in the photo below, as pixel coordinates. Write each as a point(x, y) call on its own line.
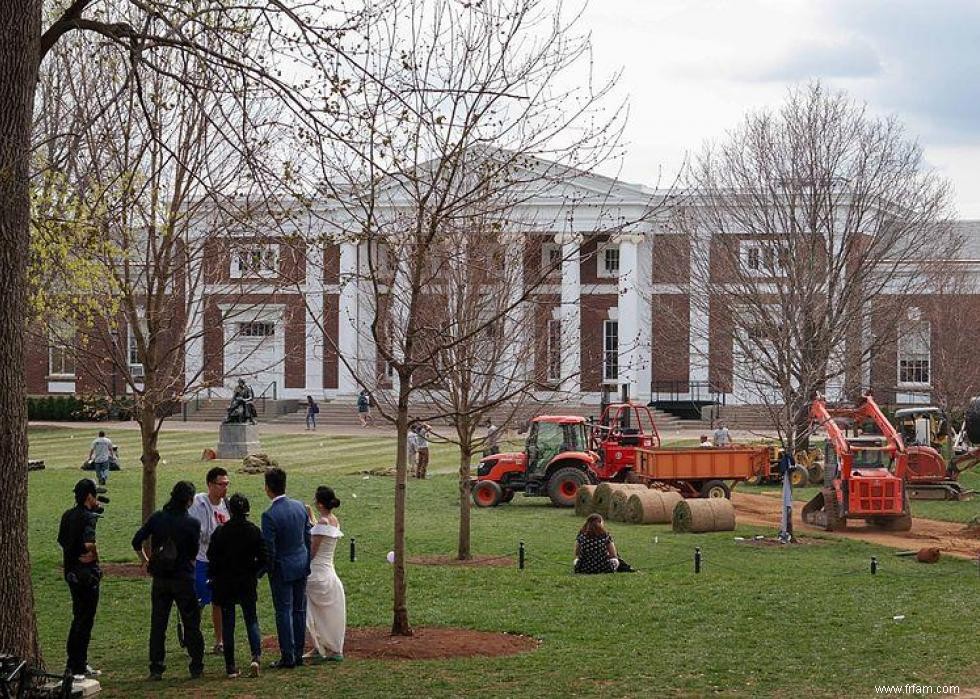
point(163, 558)
point(316, 408)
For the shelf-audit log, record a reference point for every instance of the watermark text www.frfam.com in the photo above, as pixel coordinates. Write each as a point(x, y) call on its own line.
point(917, 689)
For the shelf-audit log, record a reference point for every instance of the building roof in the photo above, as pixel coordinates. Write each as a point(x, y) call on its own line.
point(969, 230)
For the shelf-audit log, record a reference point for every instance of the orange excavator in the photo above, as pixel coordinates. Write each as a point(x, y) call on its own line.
point(864, 476)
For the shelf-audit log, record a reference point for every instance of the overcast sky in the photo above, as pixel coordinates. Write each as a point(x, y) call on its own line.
point(691, 68)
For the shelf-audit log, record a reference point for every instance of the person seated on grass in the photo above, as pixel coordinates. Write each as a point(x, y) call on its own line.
point(595, 551)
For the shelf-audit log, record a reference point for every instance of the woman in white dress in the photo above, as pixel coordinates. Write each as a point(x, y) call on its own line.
point(326, 604)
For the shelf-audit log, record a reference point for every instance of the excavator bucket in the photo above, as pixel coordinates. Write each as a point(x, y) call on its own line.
point(822, 512)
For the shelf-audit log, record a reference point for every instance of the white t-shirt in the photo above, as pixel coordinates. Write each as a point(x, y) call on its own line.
point(101, 450)
point(722, 438)
point(211, 517)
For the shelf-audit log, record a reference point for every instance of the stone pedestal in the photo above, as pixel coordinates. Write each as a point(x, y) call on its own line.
point(237, 441)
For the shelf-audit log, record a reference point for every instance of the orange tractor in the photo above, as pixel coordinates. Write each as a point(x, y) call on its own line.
point(864, 476)
point(564, 452)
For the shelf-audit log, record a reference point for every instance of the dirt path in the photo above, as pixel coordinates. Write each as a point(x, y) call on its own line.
point(950, 537)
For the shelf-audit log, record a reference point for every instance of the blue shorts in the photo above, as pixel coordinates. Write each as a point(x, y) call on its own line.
point(201, 585)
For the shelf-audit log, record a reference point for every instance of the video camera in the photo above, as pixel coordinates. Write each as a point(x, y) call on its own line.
point(101, 497)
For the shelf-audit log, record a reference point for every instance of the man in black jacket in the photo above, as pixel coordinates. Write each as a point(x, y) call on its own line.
point(76, 535)
point(174, 537)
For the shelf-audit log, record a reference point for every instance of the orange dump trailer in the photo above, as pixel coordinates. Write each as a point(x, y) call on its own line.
point(699, 471)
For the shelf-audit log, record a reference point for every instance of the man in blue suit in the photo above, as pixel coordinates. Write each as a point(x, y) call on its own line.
point(286, 530)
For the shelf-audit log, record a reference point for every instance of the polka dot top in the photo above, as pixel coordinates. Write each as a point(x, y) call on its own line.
point(593, 556)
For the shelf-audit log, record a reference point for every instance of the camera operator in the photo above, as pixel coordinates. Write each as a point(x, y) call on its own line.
point(82, 573)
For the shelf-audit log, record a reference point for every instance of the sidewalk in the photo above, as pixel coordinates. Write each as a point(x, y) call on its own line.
point(382, 429)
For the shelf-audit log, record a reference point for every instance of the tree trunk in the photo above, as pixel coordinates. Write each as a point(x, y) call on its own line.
point(465, 454)
point(149, 437)
point(20, 31)
point(399, 624)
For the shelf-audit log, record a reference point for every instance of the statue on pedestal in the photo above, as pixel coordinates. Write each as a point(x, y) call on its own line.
point(241, 410)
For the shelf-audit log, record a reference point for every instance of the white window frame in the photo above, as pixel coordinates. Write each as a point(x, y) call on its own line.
point(759, 250)
point(553, 351)
point(610, 355)
point(59, 340)
point(132, 351)
point(914, 363)
point(550, 254)
point(267, 256)
point(603, 269)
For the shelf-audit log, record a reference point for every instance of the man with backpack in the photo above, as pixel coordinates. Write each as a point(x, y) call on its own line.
point(174, 540)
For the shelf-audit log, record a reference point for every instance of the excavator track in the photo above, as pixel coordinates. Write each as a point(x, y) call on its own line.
point(822, 511)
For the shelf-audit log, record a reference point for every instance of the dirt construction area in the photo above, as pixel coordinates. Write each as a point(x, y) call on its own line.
point(952, 538)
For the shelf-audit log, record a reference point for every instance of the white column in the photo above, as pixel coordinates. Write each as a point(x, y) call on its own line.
point(399, 306)
point(634, 313)
point(699, 315)
point(571, 312)
point(314, 319)
point(516, 322)
point(194, 349)
point(347, 320)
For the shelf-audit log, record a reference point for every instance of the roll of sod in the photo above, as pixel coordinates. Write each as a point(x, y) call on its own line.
point(651, 506)
point(604, 492)
point(583, 500)
point(617, 505)
point(704, 515)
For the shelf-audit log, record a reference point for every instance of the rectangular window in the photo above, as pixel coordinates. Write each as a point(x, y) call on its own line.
point(914, 345)
point(61, 355)
point(763, 258)
point(135, 361)
point(258, 260)
point(554, 350)
point(610, 353)
point(609, 261)
point(256, 329)
point(550, 257)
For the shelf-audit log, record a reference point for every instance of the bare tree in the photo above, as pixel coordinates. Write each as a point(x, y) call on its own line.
point(173, 179)
point(475, 97)
point(802, 226)
point(293, 38)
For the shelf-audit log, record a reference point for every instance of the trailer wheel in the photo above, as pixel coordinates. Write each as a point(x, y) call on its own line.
point(798, 477)
point(564, 484)
point(716, 489)
point(487, 494)
point(508, 495)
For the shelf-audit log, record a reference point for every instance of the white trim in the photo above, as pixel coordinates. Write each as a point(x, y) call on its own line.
point(55, 386)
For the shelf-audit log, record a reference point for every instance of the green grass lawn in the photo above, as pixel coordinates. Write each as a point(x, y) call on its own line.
point(806, 620)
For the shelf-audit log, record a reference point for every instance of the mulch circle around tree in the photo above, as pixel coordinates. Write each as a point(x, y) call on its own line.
point(427, 643)
point(492, 561)
point(123, 570)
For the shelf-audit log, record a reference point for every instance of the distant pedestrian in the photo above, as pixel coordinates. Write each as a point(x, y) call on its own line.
point(236, 559)
point(311, 411)
point(421, 444)
point(211, 510)
point(722, 438)
point(174, 539)
point(492, 442)
point(705, 442)
point(101, 456)
point(364, 407)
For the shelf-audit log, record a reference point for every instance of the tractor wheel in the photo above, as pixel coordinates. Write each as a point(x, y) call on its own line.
point(816, 473)
point(564, 484)
point(716, 489)
point(798, 477)
point(487, 494)
point(902, 523)
point(973, 420)
point(508, 495)
point(835, 522)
